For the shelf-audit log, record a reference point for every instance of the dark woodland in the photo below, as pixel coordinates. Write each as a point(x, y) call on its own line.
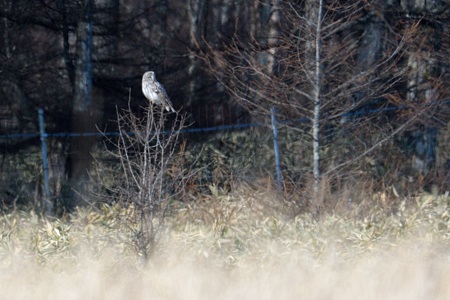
point(360, 89)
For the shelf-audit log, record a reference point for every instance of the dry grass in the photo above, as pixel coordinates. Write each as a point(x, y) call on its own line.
point(242, 245)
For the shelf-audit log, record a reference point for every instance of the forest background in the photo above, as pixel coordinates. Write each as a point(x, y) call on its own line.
point(360, 87)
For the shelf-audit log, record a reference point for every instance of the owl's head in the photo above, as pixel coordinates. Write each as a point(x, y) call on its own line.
point(150, 75)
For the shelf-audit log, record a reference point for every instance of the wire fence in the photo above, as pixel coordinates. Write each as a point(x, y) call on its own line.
point(274, 124)
point(351, 114)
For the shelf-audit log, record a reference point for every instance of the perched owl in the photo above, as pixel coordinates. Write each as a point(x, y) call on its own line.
point(155, 92)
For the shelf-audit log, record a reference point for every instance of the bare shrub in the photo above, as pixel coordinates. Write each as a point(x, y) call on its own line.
point(147, 152)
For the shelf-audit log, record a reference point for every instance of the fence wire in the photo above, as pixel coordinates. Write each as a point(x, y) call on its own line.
point(241, 152)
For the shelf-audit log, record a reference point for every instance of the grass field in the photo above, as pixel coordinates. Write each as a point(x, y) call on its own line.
point(233, 247)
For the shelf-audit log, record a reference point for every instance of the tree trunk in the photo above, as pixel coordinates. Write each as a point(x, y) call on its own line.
point(66, 45)
point(313, 52)
point(196, 11)
point(424, 73)
point(85, 113)
point(273, 34)
point(6, 39)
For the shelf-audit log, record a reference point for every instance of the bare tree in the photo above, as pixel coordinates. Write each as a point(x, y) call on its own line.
point(330, 60)
point(146, 151)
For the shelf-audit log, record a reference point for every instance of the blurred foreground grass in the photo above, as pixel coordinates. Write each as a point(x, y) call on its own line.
point(244, 245)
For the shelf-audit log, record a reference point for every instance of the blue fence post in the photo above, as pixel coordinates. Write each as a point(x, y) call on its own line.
point(276, 149)
point(48, 205)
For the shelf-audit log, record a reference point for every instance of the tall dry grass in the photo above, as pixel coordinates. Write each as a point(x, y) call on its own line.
point(243, 245)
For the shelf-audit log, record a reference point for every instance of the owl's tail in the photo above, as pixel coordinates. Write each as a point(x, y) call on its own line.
point(170, 108)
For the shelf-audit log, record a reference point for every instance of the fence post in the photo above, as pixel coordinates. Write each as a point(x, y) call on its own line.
point(48, 205)
point(276, 150)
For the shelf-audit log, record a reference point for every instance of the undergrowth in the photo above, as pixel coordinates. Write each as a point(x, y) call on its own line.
point(232, 228)
point(246, 244)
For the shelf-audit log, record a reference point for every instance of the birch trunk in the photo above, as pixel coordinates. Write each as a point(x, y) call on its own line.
point(7, 5)
point(273, 35)
point(314, 55)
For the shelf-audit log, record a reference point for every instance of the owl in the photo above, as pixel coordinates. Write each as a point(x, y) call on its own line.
point(155, 92)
